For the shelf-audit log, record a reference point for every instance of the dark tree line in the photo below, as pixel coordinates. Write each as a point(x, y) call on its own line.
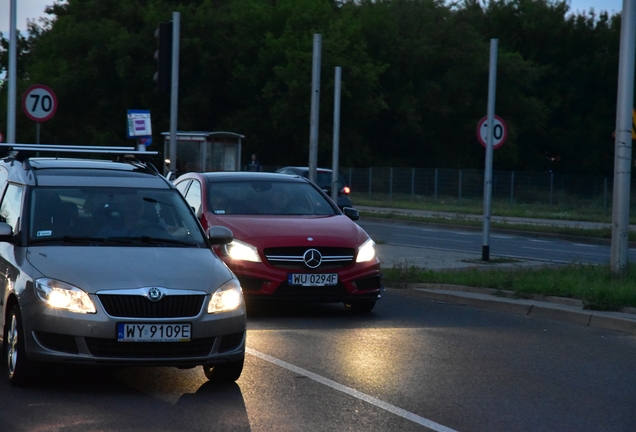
point(414, 78)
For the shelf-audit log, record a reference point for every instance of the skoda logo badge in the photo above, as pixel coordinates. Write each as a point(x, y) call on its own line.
point(312, 258)
point(154, 294)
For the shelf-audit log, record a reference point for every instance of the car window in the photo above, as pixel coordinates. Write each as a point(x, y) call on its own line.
point(266, 198)
point(107, 212)
point(323, 179)
point(193, 197)
point(183, 186)
point(10, 207)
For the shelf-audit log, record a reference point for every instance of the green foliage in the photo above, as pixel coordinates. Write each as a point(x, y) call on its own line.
point(414, 78)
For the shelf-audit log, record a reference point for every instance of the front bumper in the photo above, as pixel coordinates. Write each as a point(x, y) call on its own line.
point(64, 337)
point(264, 282)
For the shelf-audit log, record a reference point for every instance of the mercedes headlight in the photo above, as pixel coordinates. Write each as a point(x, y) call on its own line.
point(228, 297)
point(60, 295)
point(366, 252)
point(242, 251)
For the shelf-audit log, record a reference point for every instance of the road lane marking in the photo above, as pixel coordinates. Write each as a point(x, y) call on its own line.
point(432, 238)
point(352, 392)
point(563, 251)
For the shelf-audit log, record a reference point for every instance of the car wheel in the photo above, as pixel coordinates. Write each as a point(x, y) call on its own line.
point(225, 372)
point(17, 363)
point(360, 306)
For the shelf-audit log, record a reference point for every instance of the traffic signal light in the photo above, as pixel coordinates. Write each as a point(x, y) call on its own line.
point(163, 55)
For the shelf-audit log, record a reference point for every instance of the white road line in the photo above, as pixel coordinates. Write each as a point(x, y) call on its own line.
point(352, 392)
point(540, 241)
point(560, 251)
point(433, 238)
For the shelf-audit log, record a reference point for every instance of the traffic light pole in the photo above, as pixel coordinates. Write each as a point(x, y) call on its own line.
point(174, 90)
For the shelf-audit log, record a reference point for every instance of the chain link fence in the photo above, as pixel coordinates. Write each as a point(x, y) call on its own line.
point(509, 186)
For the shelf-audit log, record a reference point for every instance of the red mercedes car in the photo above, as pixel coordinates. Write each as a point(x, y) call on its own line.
point(291, 241)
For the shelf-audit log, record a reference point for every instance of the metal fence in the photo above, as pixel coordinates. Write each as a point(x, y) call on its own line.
point(513, 186)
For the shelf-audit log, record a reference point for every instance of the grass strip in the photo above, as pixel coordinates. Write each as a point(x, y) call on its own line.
point(594, 285)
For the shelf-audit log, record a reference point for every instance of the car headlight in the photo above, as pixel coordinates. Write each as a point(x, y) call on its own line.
point(61, 295)
point(228, 297)
point(366, 252)
point(242, 251)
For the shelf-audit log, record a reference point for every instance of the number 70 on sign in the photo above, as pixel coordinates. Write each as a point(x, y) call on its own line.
point(499, 135)
point(39, 103)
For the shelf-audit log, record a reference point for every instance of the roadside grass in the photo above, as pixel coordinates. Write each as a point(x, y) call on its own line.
point(563, 208)
point(594, 285)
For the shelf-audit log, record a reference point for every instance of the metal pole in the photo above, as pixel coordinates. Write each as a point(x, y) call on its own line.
point(623, 141)
point(12, 75)
point(315, 107)
point(336, 135)
point(604, 193)
point(174, 90)
point(512, 187)
point(492, 85)
point(435, 191)
point(412, 182)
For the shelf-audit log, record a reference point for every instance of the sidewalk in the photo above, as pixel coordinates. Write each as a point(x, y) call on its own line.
point(555, 308)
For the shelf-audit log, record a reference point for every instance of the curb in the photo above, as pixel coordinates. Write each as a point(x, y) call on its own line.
point(546, 307)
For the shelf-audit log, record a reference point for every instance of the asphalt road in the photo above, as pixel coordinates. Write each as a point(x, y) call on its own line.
point(413, 243)
point(411, 365)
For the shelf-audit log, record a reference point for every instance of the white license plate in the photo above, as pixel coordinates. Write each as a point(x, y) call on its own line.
point(320, 279)
point(128, 332)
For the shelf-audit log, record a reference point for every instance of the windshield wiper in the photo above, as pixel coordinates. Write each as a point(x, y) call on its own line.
point(153, 240)
point(69, 239)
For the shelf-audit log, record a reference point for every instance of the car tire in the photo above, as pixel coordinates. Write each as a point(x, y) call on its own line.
point(360, 306)
point(225, 372)
point(18, 366)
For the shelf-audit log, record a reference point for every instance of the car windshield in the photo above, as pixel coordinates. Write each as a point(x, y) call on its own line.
point(323, 179)
point(112, 214)
point(267, 198)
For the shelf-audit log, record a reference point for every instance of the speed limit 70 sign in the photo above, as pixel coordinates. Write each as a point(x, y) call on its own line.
point(499, 132)
point(39, 103)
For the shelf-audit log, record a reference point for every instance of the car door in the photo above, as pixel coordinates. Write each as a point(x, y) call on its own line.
point(10, 213)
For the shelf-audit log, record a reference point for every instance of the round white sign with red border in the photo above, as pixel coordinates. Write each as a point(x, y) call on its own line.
point(39, 103)
point(500, 132)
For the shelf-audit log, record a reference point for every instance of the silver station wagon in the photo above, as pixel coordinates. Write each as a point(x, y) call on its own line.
point(104, 263)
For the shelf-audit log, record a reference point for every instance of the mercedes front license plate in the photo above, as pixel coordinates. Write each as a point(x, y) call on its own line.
point(320, 279)
point(129, 332)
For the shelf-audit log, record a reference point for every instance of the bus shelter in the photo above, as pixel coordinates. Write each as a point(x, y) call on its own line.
point(206, 151)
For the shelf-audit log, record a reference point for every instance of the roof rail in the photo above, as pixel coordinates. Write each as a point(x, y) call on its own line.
point(24, 151)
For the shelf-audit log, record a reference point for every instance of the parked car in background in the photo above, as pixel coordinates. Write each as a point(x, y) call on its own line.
point(291, 242)
point(104, 263)
point(323, 179)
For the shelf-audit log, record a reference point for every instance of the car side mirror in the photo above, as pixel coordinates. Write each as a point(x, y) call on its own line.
point(6, 232)
point(220, 235)
point(351, 213)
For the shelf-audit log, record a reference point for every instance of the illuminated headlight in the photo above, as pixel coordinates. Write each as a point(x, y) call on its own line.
point(242, 251)
point(366, 252)
point(61, 295)
point(226, 298)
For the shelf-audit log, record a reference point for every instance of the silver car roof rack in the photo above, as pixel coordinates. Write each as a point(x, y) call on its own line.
point(22, 152)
